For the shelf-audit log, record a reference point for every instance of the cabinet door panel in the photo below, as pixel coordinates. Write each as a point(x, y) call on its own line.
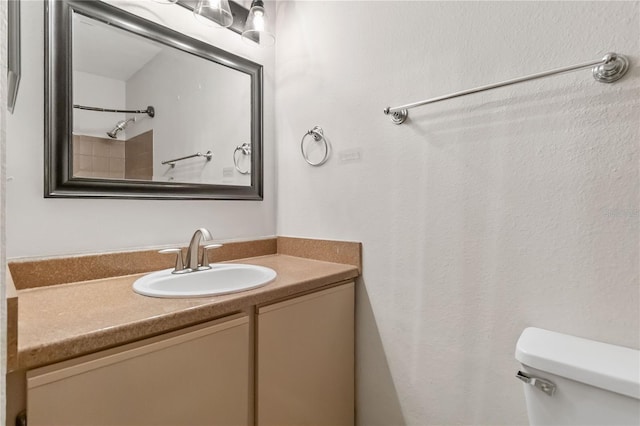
point(305, 368)
point(195, 377)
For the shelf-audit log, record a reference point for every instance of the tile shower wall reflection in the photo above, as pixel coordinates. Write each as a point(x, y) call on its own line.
point(95, 157)
point(103, 158)
point(139, 157)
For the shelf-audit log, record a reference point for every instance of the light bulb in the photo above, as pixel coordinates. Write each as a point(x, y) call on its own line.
point(258, 20)
point(257, 27)
point(213, 13)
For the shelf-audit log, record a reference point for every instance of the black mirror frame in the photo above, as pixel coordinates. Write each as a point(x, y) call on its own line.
point(13, 53)
point(58, 174)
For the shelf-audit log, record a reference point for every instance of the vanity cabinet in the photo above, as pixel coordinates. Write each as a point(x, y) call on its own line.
point(289, 362)
point(305, 359)
point(196, 376)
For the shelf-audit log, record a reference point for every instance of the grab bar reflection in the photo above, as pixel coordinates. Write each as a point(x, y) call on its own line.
point(208, 155)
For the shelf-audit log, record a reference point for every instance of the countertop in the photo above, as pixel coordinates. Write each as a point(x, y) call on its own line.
point(64, 321)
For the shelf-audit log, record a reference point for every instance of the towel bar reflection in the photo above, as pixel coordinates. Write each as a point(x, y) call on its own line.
point(172, 163)
point(610, 68)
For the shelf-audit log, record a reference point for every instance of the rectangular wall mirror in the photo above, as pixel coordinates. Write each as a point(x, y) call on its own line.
point(137, 110)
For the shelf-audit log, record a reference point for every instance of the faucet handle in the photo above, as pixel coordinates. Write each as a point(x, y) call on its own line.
point(179, 268)
point(204, 264)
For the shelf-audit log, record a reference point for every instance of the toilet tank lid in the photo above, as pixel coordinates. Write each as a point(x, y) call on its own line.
point(610, 367)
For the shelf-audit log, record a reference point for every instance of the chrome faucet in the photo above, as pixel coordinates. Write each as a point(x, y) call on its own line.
point(191, 261)
point(191, 264)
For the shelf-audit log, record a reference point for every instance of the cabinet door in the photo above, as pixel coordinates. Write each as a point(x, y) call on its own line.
point(305, 360)
point(199, 376)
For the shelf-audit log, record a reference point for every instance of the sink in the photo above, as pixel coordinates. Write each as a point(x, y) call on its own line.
point(222, 278)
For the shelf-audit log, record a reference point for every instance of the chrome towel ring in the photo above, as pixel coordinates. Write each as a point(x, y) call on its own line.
point(245, 149)
point(318, 137)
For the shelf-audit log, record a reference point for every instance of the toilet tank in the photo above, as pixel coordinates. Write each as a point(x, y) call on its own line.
point(575, 381)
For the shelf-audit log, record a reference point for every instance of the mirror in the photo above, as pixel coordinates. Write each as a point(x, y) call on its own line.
point(137, 110)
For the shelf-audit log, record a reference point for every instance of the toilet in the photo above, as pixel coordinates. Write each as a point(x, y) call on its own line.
point(573, 381)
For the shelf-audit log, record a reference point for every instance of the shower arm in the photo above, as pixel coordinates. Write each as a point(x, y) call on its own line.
point(150, 111)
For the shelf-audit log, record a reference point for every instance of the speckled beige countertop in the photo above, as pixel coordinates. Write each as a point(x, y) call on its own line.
point(64, 321)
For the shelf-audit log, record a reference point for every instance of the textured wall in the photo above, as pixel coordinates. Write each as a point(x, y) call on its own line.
point(39, 227)
point(480, 216)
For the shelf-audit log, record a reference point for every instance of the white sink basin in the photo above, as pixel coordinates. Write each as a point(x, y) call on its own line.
point(222, 278)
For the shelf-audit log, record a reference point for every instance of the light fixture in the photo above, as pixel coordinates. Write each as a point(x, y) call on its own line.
point(257, 28)
point(213, 13)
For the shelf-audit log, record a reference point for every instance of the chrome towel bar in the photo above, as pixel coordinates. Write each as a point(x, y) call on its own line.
point(606, 70)
point(172, 163)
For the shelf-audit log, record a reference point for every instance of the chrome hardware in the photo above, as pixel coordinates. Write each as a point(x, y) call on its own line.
point(397, 117)
point(179, 268)
point(204, 263)
point(615, 66)
point(610, 68)
point(172, 163)
point(120, 126)
point(544, 385)
point(245, 149)
point(318, 135)
point(194, 246)
point(190, 263)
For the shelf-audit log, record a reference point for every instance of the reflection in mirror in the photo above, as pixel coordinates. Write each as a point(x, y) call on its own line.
point(115, 69)
point(151, 113)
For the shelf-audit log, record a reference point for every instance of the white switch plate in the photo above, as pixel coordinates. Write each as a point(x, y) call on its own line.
point(352, 155)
